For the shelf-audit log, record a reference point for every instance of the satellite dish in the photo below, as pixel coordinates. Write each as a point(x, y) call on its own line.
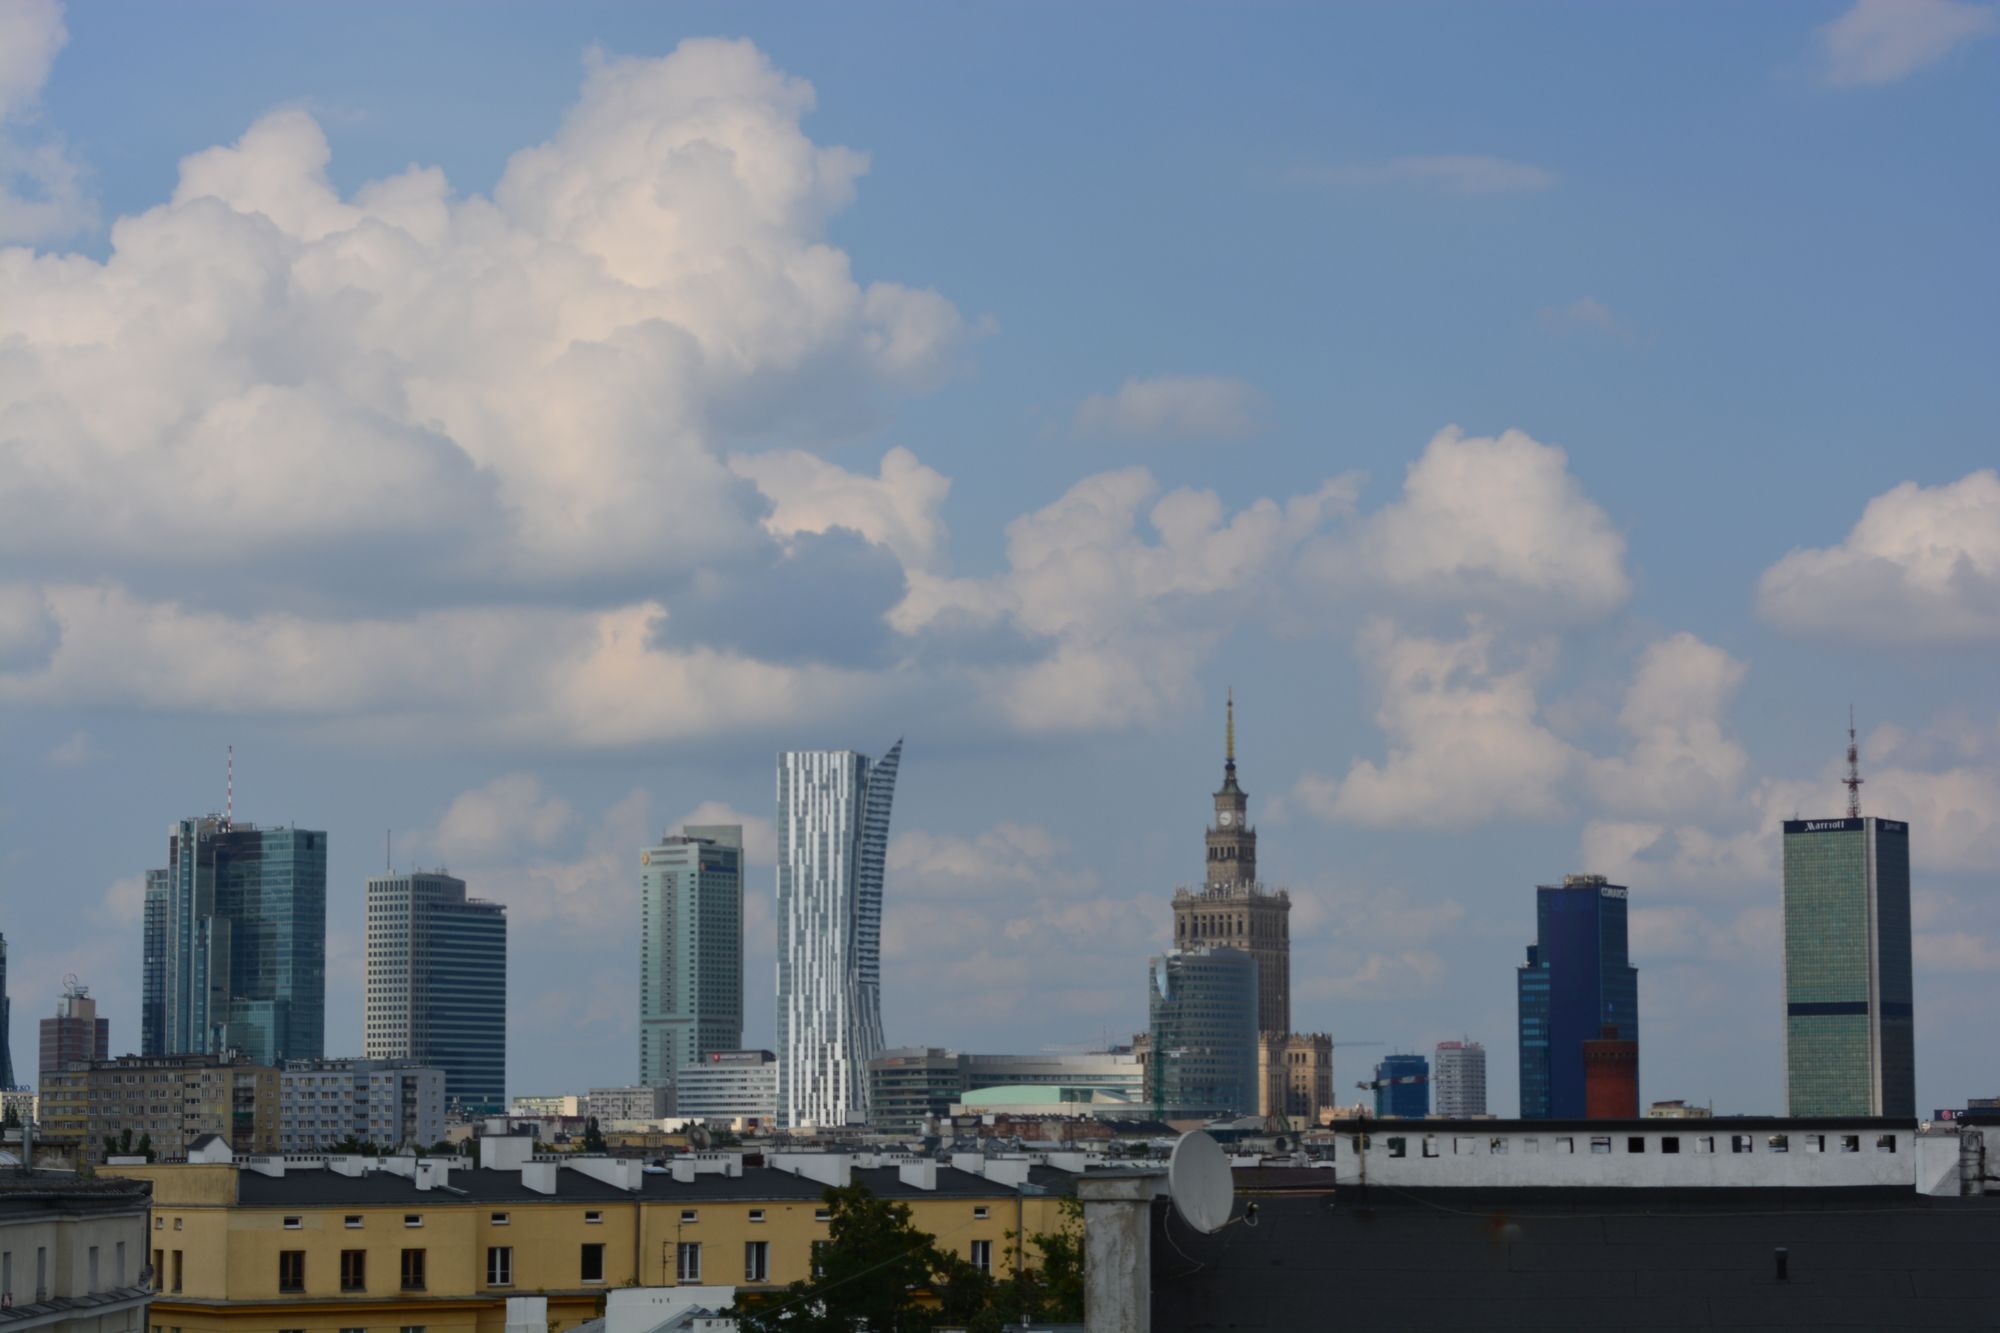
point(698, 1138)
point(1199, 1183)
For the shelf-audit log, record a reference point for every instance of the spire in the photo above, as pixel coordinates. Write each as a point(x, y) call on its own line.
point(1229, 731)
point(1853, 779)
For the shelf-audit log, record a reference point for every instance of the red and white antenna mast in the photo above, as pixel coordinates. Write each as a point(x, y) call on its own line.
point(1853, 779)
point(229, 793)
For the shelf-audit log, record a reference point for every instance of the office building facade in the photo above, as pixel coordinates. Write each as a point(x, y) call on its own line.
point(76, 1035)
point(909, 1084)
point(833, 837)
point(437, 985)
point(734, 1087)
point(1458, 1079)
point(1850, 1045)
point(235, 943)
point(1577, 980)
point(690, 949)
point(1403, 1086)
point(392, 1104)
point(171, 1100)
point(6, 1023)
point(1202, 1012)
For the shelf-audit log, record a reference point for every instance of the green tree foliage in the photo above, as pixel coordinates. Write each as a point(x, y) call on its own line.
point(593, 1137)
point(146, 1148)
point(12, 1118)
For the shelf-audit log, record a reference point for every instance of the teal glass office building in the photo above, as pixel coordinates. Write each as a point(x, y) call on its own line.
point(235, 943)
point(1202, 1007)
point(437, 985)
point(690, 949)
point(1850, 1046)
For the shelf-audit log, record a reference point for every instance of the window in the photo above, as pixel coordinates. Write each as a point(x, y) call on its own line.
point(1781, 1143)
point(819, 1257)
point(979, 1213)
point(1850, 1143)
point(293, 1224)
point(1600, 1143)
point(177, 1270)
point(757, 1261)
point(593, 1216)
point(982, 1255)
point(159, 1273)
point(413, 1219)
point(159, 1224)
point(1739, 1143)
point(354, 1270)
point(1496, 1147)
point(500, 1265)
point(91, 1271)
point(1670, 1143)
point(1398, 1147)
point(1430, 1145)
point(177, 1224)
point(407, 1328)
point(352, 1222)
point(413, 1270)
point(353, 1330)
point(756, 1214)
point(1816, 1143)
point(498, 1219)
point(1705, 1143)
point(822, 1214)
point(593, 1263)
point(690, 1215)
point(687, 1261)
point(1566, 1144)
point(1886, 1143)
point(291, 1270)
point(1635, 1143)
point(121, 1263)
point(1464, 1146)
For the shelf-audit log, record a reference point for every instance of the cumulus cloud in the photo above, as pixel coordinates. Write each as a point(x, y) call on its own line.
point(1465, 742)
point(507, 815)
point(1494, 521)
point(1882, 41)
point(898, 508)
point(1174, 407)
point(1921, 566)
point(1681, 759)
point(1451, 173)
point(29, 630)
point(42, 187)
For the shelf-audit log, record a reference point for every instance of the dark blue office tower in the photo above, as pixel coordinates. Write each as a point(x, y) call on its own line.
point(1578, 980)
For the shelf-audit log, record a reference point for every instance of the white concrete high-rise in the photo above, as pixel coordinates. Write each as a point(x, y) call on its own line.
point(1458, 1079)
point(437, 984)
point(833, 834)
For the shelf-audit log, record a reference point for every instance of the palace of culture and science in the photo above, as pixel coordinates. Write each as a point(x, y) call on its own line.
point(1233, 909)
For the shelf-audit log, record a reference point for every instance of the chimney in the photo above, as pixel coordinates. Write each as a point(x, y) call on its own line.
point(539, 1177)
point(919, 1175)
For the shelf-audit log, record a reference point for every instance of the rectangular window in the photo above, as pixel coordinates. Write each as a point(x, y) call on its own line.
point(982, 1255)
point(1850, 1143)
point(291, 1270)
point(293, 1224)
point(1816, 1142)
point(1886, 1143)
point(120, 1262)
point(498, 1219)
point(352, 1222)
point(593, 1263)
point(819, 1257)
point(690, 1215)
point(1739, 1143)
point(1670, 1143)
point(822, 1214)
point(407, 1328)
point(1781, 1143)
point(500, 1265)
point(979, 1213)
point(1398, 1147)
point(1635, 1143)
point(1704, 1143)
point(91, 1272)
point(687, 1262)
point(413, 1219)
point(159, 1273)
point(1566, 1144)
point(354, 1270)
point(1430, 1145)
point(413, 1270)
point(757, 1261)
point(1496, 1147)
point(178, 1269)
point(1600, 1143)
point(593, 1216)
point(1464, 1146)
point(159, 1224)
point(756, 1214)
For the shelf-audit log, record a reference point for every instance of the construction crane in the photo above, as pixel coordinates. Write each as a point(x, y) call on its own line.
point(1371, 1085)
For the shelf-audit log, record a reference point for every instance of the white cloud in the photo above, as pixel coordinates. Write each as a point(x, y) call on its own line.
point(1681, 760)
point(123, 905)
point(42, 190)
point(1461, 173)
point(1882, 41)
point(898, 508)
point(507, 815)
point(29, 630)
point(1465, 742)
point(1175, 407)
point(1486, 521)
point(1586, 313)
point(1921, 566)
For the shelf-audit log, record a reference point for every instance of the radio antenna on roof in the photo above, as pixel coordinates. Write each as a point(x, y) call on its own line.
point(1853, 779)
point(229, 792)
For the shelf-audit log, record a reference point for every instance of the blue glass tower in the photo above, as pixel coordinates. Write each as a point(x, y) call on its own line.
point(1403, 1086)
point(1202, 1010)
point(1577, 981)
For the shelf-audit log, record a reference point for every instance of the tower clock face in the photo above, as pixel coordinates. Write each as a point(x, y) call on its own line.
point(1228, 818)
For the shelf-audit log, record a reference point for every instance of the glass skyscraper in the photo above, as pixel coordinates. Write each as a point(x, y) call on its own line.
point(1578, 980)
point(437, 984)
point(6, 1023)
point(1403, 1086)
point(235, 943)
point(690, 949)
point(1850, 1048)
point(1202, 1012)
point(833, 835)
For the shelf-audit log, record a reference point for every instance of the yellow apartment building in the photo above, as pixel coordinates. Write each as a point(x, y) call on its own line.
point(332, 1244)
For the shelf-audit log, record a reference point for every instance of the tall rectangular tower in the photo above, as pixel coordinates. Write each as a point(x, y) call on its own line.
point(1202, 1015)
point(238, 919)
point(1459, 1079)
point(833, 835)
point(6, 1023)
point(1578, 980)
point(437, 984)
point(1850, 1047)
point(690, 949)
point(76, 1035)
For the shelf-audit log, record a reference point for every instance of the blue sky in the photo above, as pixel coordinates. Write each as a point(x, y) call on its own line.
point(1547, 417)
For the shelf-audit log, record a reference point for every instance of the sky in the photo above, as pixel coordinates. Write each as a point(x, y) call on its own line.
point(509, 427)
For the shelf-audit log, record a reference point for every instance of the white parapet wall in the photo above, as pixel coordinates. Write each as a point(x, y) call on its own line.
point(1431, 1154)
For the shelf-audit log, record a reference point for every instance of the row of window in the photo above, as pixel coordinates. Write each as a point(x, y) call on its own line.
point(1497, 1146)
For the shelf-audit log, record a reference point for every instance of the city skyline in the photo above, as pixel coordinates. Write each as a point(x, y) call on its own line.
point(1546, 484)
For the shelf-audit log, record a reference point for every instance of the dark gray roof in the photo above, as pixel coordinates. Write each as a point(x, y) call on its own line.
point(1726, 1124)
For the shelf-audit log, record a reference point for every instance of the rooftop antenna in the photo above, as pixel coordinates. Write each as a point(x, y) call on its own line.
point(1853, 779)
point(229, 793)
point(1229, 729)
point(388, 851)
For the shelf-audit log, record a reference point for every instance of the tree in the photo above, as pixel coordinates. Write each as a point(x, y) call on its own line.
point(146, 1147)
point(593, 1137)
point(12, 1118)
point(125, 1142)
point(866, 1275)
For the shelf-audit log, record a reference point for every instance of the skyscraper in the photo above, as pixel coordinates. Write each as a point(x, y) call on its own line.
point(1202, 1012)
point(235, 942)
point(690, 949)
point(76, 1035)
point(1577, 981)
point(437, 984)
point(1459, 1079)
point(1232, 909)
point(6, 1023)
point(1850, 1046)
point(1402, 1086)
point(833, 833)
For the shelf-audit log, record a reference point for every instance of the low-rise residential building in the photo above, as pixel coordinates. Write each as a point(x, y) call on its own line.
point(171, 1100)
point(738, 1088)
point(639, 1102)
point(390, 1103)
point(545, 1104)
point(330, 1243)
point(1678, 1110)
point(72, 1253)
